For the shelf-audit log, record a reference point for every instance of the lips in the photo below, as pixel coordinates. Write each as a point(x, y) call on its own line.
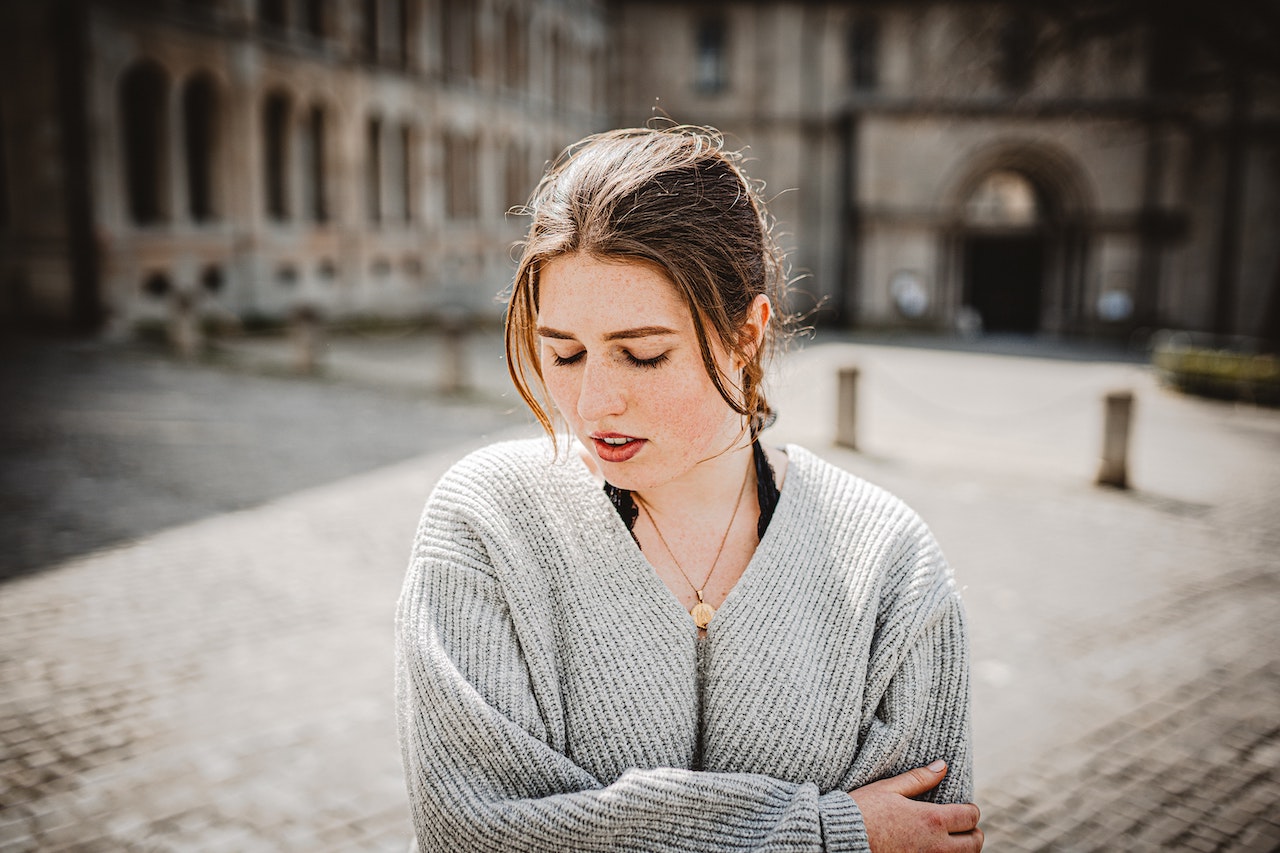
point(616, 447)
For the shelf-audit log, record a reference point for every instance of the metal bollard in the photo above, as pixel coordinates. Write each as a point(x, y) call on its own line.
point(847, 409)
point(1114, 471)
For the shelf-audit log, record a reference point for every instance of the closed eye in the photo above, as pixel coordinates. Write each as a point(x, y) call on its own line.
point(559, 361)
point(647, 362)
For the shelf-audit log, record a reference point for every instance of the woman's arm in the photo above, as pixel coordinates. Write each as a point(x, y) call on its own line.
point(920, 728)
point(482, 774)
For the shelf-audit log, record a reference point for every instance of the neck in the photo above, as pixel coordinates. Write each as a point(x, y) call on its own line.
point(705, 489)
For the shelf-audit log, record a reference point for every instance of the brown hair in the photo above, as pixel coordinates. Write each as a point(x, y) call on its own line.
point(671, 197)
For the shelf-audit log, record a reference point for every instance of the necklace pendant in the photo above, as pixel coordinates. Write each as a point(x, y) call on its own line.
point(702, 613)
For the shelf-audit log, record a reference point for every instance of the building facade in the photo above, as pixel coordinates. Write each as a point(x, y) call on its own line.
point(356, 158)
point(984, 164)
point(931, 163)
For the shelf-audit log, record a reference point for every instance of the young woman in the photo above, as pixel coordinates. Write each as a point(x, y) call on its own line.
point(657, 633)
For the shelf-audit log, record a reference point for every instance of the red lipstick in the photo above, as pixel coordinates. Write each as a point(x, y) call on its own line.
point(616, 447)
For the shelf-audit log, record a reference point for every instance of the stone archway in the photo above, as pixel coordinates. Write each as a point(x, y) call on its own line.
point(1016, 247)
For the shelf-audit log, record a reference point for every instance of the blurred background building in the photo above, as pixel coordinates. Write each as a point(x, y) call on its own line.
point(1096, 167)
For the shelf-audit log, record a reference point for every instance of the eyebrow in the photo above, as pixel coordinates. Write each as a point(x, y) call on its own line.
point(621, 335)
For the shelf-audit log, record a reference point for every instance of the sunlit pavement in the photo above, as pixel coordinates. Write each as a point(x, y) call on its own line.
point(226, 684)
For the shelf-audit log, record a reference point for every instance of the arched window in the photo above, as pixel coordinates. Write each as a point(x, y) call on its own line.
point(144, 121)
point(200, 143)
point(314, 18)
point(457, 32)
point(372, 23)
point(514, 55)
point(275, 124)
point(273, 13)
point(864, 54)
point(5, 217)
point(398, 23)
point(517, 181)
point(313, 156)
point(1017, 51)
point(1004, 198)
point(461, 201)
point(402, 174)
point(710, 72)
point(559, 61)
point(373, 169)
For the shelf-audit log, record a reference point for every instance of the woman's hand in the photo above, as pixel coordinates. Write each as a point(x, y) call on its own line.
point(895, 822)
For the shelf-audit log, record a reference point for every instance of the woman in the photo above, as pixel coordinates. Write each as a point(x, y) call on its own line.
point(665, 635)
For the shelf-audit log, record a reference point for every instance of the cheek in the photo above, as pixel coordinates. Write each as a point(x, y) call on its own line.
point(561, 386)
point(691, 406)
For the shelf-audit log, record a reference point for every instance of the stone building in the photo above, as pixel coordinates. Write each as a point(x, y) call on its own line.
point(944, 162)
point(258, 157)
point(932, 163)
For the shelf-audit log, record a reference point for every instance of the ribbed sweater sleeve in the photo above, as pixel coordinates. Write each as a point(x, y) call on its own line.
point(918, 679)
point(502, 716)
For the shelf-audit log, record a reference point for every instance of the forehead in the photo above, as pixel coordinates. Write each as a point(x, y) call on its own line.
point(586, 289)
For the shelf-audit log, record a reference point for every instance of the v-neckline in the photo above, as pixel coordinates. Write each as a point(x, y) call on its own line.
point(624, 543)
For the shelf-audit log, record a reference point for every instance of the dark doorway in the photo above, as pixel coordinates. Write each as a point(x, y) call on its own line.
point(1004, 278)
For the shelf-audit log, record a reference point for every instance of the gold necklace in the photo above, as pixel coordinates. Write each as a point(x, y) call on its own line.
point(701, 612)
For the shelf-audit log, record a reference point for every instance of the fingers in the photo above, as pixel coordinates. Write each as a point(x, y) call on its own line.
point(960, 817)
point(970, 841)
point(917, 781)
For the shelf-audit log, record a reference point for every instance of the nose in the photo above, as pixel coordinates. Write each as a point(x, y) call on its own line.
point(601, 393)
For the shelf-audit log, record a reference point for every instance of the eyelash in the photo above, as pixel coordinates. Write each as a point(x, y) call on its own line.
point(635, 362)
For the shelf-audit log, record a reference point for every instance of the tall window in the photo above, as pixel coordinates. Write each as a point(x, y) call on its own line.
point(864, 54)
point(313, 165)
point(514, 55)
point(1167, 67)
point(275, 124)
point(4, 179)
point(373, 169)
point(461, 200)
point(400, 172)
point(199, 131)
point(399, 23)
point(272, 12)
point(516, 177)
point(1017, 51)
point(457, 34)
point(372, 24)
point(559, 69)
point(710, 73)
point(143, 98)
point(314, 18)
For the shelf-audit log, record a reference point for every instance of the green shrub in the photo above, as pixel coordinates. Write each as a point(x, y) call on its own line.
point(1220, 373)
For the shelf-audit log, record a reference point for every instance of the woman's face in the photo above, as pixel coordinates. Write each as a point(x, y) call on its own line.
point(621, 362)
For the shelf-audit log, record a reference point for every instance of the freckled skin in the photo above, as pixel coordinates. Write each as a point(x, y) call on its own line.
point(672, 405)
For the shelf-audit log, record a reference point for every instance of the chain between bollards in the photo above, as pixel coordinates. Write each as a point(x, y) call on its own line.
point(1118, 405)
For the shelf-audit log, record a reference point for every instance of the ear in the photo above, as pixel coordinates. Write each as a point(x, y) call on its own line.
point(753, 328)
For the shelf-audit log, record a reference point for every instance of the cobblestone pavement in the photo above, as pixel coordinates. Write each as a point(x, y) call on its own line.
point(101, 444)
point(225, 685)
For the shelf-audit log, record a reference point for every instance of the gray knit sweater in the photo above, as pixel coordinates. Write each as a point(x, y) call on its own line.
point(553, 696)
